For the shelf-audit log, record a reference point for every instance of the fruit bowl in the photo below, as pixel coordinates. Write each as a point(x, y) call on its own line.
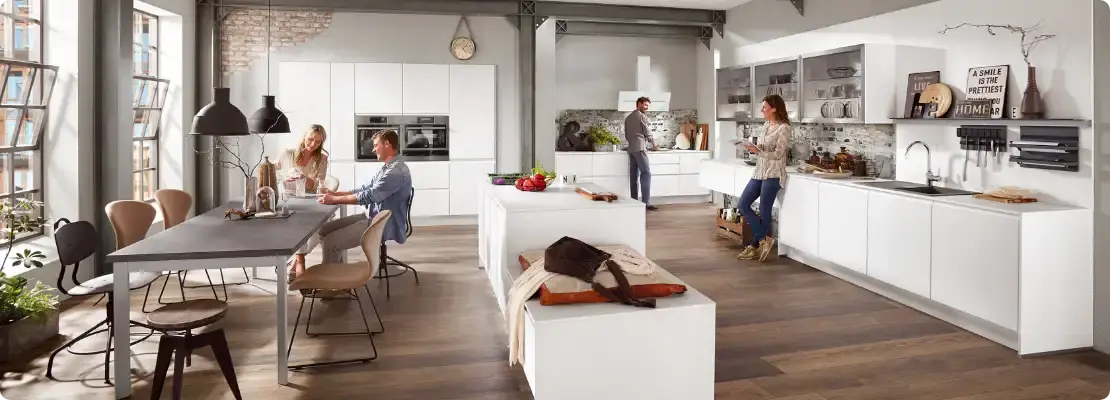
point(535, 183)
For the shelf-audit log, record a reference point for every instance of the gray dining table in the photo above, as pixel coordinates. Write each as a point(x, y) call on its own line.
point(209, 241)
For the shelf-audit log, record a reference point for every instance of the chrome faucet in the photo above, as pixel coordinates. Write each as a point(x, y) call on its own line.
point(930, 177)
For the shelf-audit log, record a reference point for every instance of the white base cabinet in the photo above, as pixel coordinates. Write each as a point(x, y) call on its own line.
point(975, 262)
point(1017, 274)
point(899, 250)
point(673, 173)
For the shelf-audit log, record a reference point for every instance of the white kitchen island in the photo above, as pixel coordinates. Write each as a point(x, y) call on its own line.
point(595, 351)
point(1017, 274)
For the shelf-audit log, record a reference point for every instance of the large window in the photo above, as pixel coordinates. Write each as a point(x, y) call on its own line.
point(150, 97)
point(27, 85)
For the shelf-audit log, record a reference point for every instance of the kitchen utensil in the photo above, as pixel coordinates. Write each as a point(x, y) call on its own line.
point(984, 196)
point(840, 72)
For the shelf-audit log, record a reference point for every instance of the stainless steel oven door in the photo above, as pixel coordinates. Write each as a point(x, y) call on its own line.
point(364, 139)
point(425, 142)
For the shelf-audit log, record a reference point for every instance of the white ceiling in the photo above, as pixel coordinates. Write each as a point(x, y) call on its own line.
point(702, 4)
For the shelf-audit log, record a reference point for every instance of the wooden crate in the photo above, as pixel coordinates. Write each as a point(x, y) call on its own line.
point(738, 232)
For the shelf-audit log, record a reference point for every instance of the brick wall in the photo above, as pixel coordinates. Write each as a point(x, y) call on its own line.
point(244, 34)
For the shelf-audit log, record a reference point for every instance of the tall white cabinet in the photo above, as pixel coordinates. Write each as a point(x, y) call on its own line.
point(332, 94)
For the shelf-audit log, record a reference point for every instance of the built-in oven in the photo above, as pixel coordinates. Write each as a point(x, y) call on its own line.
point(366, 126)
point(424, 138)
point(421, 138)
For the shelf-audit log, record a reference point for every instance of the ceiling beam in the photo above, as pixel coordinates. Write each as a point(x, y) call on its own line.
point(588, 28)
point(566, 11)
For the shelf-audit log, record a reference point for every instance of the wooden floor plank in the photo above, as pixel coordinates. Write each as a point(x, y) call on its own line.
point(785, 332)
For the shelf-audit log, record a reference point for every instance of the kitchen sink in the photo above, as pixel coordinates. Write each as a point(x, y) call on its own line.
point(917, 188)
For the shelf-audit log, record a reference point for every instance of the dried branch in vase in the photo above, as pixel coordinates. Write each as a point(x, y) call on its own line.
point(236, 153)
point(1029, 40)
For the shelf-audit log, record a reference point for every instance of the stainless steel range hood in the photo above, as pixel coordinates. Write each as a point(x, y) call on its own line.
point(626, 100)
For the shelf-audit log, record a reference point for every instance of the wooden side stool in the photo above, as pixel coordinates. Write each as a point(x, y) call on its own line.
point(185, 317)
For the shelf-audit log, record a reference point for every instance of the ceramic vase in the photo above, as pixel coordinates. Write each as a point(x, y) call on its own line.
point(1032, 106)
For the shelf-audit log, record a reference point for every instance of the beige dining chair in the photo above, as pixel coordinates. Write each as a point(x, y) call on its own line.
point(345, 278)
point(175, 205)
point(131, 219)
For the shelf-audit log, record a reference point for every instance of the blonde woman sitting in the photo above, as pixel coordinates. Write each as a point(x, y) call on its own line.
point(310, 161)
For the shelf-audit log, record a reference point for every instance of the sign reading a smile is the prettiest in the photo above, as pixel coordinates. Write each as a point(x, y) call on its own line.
point(989, 83)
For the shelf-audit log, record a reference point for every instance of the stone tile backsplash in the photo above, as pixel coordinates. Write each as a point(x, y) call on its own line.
point(874, 143)
point(664, 125)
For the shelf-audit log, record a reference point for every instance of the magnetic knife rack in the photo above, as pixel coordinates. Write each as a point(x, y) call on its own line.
point(982, 138)
point(1048, 147)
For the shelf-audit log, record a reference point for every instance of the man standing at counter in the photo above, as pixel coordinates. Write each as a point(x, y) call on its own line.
point(637, 136)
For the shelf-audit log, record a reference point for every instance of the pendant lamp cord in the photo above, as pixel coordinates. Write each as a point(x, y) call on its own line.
point(269, 22)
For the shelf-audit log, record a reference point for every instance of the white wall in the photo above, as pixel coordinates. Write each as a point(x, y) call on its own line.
point(762, 20)
point(394, 38)
point(1064, 69)
point(591, 70)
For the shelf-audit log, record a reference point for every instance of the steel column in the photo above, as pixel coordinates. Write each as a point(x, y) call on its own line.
point(527, 22)
point(208, 176)
point(114, 108)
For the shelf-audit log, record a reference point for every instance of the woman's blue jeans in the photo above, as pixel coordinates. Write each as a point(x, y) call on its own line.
point(765, 190)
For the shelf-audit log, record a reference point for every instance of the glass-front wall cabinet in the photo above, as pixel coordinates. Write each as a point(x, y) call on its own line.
point(833, 83)
point(734, 94)
point(777, 77)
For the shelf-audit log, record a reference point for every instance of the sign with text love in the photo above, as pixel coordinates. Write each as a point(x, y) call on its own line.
point(989, 83)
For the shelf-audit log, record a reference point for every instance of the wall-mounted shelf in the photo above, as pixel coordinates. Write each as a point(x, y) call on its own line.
point(1078, 123)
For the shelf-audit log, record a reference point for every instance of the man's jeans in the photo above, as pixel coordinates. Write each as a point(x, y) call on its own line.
point(639, 172)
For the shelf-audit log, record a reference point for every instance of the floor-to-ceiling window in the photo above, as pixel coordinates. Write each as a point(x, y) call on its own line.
point(150, 97)
point(27, 85)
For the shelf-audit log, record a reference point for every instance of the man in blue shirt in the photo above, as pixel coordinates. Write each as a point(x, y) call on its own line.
point(389, 190)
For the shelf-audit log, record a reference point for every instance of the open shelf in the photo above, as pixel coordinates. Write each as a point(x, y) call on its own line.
point(1079, 123)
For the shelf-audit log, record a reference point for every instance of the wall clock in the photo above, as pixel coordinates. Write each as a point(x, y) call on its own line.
point(463, 47)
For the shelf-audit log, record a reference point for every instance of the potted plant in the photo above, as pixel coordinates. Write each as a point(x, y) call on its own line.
point(602, 139)
point(28, 315)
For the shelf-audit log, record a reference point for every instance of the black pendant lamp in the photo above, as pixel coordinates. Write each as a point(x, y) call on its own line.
point(220, 117)
point(268, 119)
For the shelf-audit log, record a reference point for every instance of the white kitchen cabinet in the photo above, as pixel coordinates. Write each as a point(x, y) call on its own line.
point(975, 262)
point(841, 229)
point(378, 88)
point(691, 163)
point(899, 241)
point(741, 178)
point(473, 106)
point(664, 185)
point(662, 158)
point(798, 215)
point(304, 104)
point(579, 165)
point(610, 164)
point(430, 174)
point(467, 178)
point(431, 202)
point(426, 89)
point(688, 185)
point(718, 177)
point(341, 133)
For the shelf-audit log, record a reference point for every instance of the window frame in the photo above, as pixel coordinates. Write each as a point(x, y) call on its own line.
point(23, 104)
point(144, 112)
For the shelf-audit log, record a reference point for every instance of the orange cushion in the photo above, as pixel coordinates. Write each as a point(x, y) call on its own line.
point(548, 298)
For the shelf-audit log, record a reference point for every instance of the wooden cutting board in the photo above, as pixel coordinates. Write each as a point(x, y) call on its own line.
point(984, 196)
point(605, 196)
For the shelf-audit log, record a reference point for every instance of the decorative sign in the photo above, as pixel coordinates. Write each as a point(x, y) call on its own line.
point(989, 83)
point(972, 109)
point(917, 82)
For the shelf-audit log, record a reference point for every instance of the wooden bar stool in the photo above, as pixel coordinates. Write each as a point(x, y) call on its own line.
point(187, 316)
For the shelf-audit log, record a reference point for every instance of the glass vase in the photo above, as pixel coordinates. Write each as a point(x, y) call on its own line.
point(250, 190)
